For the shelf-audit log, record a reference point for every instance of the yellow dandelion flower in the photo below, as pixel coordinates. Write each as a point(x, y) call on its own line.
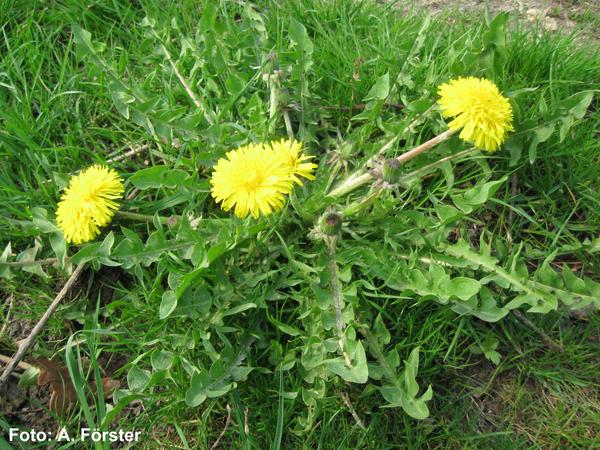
point(252, 179)
point(88, 203)
point(297, 162)
point(479, 109)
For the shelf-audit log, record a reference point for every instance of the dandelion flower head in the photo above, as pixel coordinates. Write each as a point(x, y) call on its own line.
point(479, 109)
point(88, 203)
point(252, 179)
point(297, 161)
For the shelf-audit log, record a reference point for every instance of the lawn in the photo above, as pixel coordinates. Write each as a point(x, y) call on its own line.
point(454, 307)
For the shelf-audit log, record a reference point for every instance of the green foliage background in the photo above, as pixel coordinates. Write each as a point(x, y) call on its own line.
point(204, 309)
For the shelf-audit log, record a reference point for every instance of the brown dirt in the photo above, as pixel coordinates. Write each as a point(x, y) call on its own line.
point(553, 15)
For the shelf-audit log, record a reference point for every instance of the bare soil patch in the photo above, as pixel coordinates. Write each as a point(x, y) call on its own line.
point(566, 16)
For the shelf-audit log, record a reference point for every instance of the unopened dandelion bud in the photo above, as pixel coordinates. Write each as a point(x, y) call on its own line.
point(331, 223)
point(347, 149)
point(391, 170)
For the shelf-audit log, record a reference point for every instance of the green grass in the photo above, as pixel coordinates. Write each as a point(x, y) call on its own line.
point(58, 115)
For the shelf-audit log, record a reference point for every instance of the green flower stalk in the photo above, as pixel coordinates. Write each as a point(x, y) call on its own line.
point(357, 180)
point(481, 114)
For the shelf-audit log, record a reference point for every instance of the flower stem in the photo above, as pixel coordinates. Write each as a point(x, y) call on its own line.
point(273, 98)
point(39, 262)
point(337, 296)
point(351, 183)
point(357, 180)
point(356, 207)
point(288, 124)
point(376, 349)
point(437, 163)
point(203, 108)
point(367, 200)
point(425, 146)
point(147, 218)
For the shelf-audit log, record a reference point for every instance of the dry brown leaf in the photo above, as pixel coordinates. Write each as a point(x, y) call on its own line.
point(63, 394)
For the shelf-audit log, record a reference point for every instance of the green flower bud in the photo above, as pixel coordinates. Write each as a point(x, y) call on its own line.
point(391, 170)
point(331, 223)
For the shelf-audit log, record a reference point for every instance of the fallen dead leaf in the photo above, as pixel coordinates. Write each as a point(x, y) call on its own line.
point(63, 394)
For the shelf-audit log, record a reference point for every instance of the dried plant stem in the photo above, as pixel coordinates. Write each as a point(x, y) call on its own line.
point(227, 422)
point(39, 262)
point(397, 137)
point(273, 97)
point(21, 365)
point(548, 341)
point(27, 343)
point(330, 242)
point(425, 146)
point(356, 417)
point(361, 107)
point(8, 310)
point(134, 151)
point(184, 82)
point(288, 124)
point(133, 194)
point(356, 180)
point(246, 426)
